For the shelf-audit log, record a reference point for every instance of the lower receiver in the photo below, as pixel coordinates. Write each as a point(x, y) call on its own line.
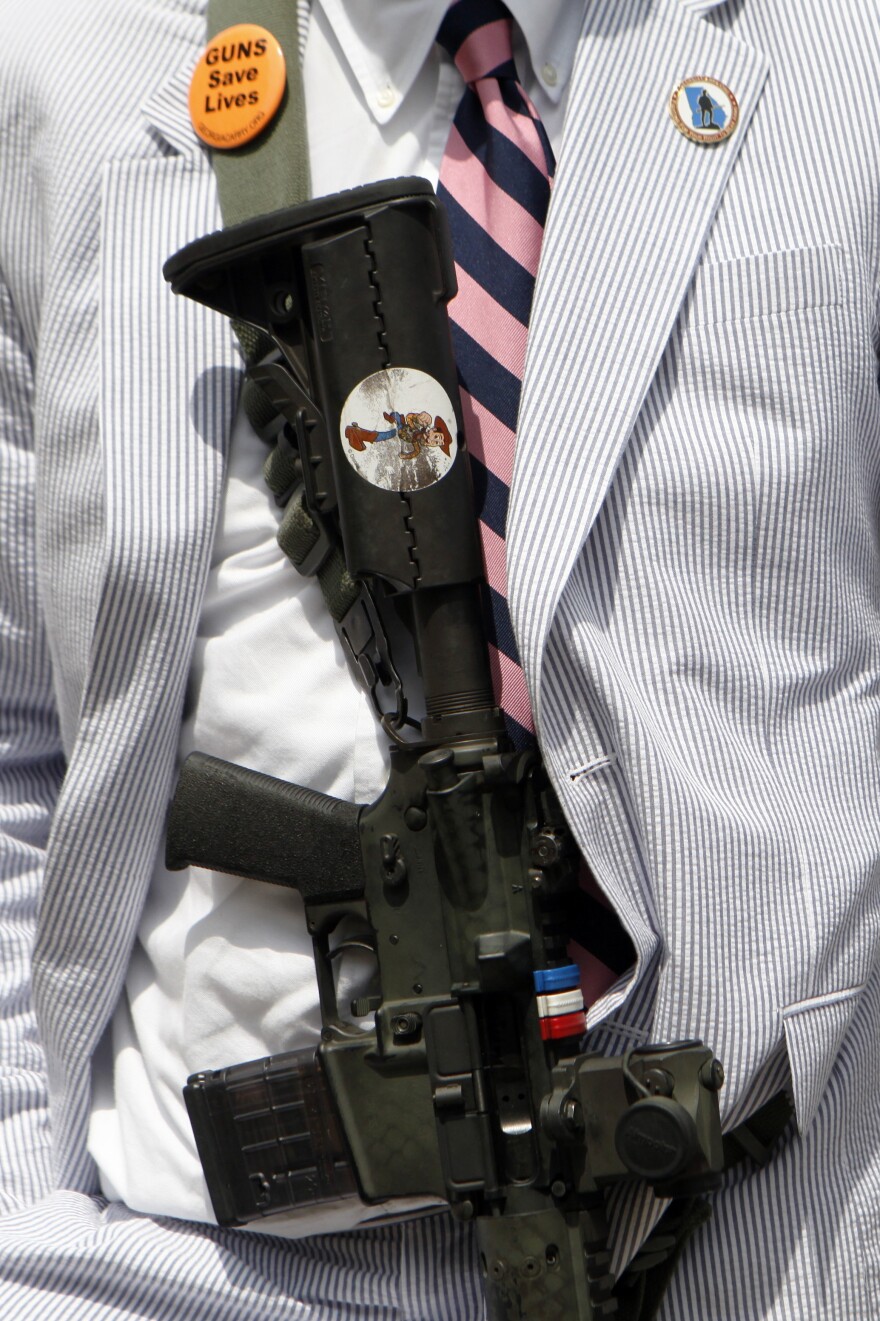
point(458, 1079)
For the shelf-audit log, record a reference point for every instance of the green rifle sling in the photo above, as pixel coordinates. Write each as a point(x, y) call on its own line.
point(264, 175)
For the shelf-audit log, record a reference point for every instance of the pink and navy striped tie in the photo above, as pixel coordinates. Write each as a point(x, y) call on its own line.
point(495, 182)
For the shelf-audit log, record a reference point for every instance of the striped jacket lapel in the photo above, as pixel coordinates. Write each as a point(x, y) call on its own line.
point(632, 204)
point(168, 385)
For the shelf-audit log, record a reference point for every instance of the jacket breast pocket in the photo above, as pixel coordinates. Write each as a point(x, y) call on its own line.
point(778, 345)
point(768, 453)
point(768, 284)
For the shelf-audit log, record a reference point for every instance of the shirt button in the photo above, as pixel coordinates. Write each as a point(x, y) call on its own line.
point(385, 98)
point(550, 75)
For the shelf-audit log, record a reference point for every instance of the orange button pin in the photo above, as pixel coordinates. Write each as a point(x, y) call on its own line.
point(237, 86)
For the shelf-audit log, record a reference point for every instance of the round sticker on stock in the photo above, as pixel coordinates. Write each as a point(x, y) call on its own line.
point(237, 86)
point(398, 429)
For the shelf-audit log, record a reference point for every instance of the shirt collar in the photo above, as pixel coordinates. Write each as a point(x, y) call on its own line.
point(386, 42)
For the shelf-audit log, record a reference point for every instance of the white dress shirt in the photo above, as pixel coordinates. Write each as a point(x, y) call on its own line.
point(222, 970)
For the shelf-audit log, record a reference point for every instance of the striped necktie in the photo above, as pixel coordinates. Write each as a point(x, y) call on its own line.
point(495, 182)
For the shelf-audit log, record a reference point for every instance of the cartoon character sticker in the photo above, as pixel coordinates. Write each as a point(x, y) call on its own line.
point(398, 429)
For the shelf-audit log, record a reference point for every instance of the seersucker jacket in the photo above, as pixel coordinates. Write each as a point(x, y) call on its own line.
point(694, 566)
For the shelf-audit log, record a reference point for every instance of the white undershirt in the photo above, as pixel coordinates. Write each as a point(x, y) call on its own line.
point(222, 969)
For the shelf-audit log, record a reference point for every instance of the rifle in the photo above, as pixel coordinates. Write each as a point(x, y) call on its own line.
point(461, 1078)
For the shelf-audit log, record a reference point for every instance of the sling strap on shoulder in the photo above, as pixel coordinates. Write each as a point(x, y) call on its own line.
point(266, 174)
point(272, 170)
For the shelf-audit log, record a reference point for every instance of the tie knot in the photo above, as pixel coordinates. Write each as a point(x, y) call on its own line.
point(477, 34)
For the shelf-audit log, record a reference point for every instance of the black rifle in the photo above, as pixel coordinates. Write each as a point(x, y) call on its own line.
point(463, 1080)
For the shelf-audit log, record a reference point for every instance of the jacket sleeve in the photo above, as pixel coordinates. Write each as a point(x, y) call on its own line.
point(31, 767)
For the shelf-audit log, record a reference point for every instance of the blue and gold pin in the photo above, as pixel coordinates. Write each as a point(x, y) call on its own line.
point(704, 110)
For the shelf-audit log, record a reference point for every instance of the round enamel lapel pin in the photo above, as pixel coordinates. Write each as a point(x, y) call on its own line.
point(704, 110)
